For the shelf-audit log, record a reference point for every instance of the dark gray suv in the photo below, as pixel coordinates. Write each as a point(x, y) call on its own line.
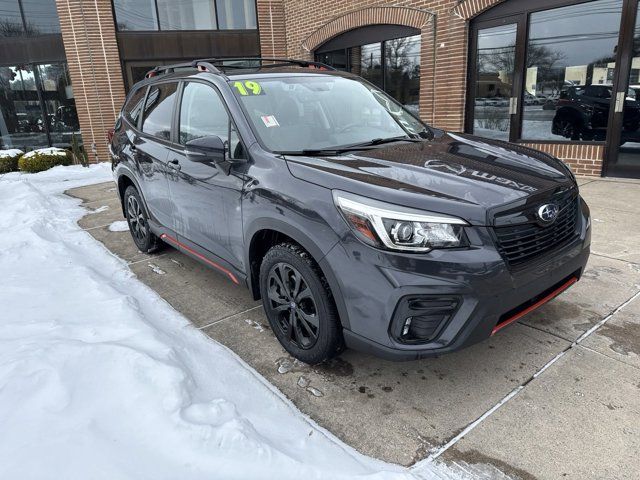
point(354, 222)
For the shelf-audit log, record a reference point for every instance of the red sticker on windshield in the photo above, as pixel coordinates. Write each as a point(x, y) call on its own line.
point(269, 121)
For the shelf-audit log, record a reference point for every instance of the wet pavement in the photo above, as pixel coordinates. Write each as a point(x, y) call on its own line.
point(548, 407)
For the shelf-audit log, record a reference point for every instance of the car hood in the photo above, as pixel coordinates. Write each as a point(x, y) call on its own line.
point(456, 174)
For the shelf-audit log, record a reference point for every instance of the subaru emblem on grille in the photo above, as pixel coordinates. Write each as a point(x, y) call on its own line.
point(548, 213)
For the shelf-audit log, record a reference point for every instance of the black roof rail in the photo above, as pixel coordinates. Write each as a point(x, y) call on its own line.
point(200, 65)
point(280, 62)
point(209, 64)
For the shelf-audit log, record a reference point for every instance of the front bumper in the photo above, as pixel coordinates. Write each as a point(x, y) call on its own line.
point(490, 295)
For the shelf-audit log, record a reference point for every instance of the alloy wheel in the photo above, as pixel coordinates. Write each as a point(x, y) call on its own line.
point(567, 128)
point(292, 303)
point(137, 221)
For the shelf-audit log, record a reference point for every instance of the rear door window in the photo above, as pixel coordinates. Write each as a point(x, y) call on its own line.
point(133, 107)
point(158, 110)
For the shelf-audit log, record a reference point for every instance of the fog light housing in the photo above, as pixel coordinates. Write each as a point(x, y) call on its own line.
point(420, 318)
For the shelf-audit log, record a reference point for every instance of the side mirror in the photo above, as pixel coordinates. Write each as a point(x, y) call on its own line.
point(209, 149)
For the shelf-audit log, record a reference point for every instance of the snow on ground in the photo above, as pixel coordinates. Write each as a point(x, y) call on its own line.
point(119, 226)
point(101, 379)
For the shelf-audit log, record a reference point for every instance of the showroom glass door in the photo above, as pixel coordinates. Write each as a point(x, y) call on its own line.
point(623, 145)
point(496, 78)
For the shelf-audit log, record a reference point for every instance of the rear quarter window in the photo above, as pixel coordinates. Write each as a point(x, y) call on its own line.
point(158, 110)
point(133, 108)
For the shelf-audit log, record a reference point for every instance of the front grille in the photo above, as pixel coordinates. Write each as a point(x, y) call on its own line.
point(522, 243)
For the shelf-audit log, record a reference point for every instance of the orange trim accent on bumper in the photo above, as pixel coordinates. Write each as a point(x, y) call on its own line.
point(535, 306)
point(233, 278)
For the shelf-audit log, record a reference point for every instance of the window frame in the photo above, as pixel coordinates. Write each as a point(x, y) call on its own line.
point(137, 126)
point(382, 44)
point(159, 29)
point(25, 23)
point(139, 130)
point(178, 109)
point(516, 11)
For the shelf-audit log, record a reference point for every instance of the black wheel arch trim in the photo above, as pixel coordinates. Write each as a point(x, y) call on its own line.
point(124, 172)
point(309, 245)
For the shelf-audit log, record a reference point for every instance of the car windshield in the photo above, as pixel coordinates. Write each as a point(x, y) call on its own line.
point(314, 112)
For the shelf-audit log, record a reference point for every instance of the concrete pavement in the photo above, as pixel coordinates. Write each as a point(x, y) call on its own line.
point(528, 403)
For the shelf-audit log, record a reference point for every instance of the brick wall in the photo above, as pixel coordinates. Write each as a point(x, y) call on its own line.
point(271, 23)
point(88, 33)
point(303, 25)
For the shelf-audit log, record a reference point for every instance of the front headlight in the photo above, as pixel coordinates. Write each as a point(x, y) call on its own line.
point(393, 227)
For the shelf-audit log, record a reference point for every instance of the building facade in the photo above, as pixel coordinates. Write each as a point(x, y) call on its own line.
point(562, 76)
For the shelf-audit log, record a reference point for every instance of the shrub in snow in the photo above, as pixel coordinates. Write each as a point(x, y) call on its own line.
point(9, 160)
point(43, 159)
point(78, 151)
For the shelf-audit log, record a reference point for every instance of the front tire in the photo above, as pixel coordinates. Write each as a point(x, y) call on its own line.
point(299, 305)
point(138, 222)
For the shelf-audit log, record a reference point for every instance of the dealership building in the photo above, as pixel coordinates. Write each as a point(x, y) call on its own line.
point(562, 76)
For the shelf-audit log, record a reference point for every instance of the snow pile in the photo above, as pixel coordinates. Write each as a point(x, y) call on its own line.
point(101, 379)
point(119, 226)
point(46, 151)
point(10, 153)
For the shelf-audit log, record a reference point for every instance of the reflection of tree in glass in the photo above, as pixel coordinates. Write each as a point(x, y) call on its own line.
point(399, 55)
point(9, 28)
point(370, 58)
point(402, 69)
point(544, 59)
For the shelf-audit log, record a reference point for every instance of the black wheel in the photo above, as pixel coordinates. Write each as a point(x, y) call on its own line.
point(138, 222)
point(568, 128)
point(299, 304)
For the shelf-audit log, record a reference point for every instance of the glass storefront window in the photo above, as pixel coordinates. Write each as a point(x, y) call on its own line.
point(496, 59)
point(11, 21)
point(41, 16)
point(236, 14)
point(338, 59)
point(60, 105)
point(37, 107)
point(371, 63)
point(187, 15)
point(392, 65)
point(402, 70)
point(154, 15)
point(22, 123)
point(136, 15)
point(570, 49)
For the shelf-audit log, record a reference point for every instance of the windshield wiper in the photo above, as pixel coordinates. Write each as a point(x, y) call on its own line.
point(351, 148)
point(324, 151)
point(382, 141)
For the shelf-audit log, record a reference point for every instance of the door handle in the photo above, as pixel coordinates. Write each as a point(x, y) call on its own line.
point(513, 105)
point(174, 164)
point(620, 98)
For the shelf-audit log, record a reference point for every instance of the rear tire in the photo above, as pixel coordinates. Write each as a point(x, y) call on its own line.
point(299, 305)
point(138, 222)
point(567, 126)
